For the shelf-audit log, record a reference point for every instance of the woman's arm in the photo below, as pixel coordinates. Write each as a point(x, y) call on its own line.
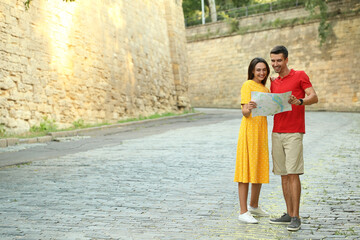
point(246, 108)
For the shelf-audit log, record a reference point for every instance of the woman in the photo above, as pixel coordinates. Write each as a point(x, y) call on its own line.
point(252, 160)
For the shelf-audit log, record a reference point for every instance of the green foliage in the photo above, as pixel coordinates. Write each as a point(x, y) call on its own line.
point(155, 116)
point(324, 26)
point(324, 31)
point(192, 110)
point(228, 4)
point(27, 3)
point(235, 8)
point(2, 130)
point(48, 125)
point(223, 6)
point(233, 22)
point(284, 4)
point(348, 232)
point(140, 118)
point(190, 7)
point(45, 126)
point(276, 23)
point(79, 124)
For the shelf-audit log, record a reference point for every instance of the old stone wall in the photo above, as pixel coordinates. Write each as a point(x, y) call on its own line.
point(99, 61)
point(218, 62)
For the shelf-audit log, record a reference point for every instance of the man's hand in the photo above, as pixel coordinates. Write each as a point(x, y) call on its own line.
point(309, 99)
point(293, 100)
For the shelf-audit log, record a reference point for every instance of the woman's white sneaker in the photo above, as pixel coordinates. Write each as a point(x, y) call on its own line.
point(258, 211)
point(247, 218)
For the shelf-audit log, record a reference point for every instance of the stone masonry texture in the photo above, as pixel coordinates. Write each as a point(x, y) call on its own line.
point(218, 65)
point(178, 184)
point(99, 61)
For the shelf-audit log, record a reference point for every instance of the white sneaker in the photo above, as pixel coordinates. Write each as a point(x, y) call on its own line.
point(258, 211)
point(247, 218)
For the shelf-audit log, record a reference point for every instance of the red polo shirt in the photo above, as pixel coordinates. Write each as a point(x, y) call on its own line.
point(292, 121)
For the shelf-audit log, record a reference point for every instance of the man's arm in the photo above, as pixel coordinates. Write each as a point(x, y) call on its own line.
point(310, 98)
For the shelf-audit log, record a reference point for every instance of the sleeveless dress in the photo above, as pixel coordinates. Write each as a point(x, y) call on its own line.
point(252, 155)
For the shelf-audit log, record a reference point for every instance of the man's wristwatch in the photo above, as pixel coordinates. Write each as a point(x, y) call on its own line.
point(301, 101)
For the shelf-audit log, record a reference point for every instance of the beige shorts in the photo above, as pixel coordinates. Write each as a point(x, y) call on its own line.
point(287, 153)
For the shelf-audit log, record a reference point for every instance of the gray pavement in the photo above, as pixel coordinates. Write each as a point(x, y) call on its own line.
point(173, 179)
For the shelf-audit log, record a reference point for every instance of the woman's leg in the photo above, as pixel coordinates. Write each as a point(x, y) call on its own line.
point(255, 193)
point(243, 193)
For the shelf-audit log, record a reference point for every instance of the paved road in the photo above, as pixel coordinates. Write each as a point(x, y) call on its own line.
point(172, 179)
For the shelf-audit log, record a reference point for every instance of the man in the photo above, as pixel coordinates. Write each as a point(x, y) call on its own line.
point(287, 136)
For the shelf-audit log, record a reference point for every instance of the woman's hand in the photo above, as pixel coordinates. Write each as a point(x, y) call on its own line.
point(251, 105)
point(246, 110)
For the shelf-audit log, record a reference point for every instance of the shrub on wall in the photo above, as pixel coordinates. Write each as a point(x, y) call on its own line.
point(324, 27)
point(27, 3)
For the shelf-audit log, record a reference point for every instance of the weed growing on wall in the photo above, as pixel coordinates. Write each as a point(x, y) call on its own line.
point(324, 29)
point(232, 21)
point(46, 125)
point(27, 3)
point(79, 123)
point(2, 130)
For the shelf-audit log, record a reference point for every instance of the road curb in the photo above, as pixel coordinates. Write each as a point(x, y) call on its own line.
point(6, 142)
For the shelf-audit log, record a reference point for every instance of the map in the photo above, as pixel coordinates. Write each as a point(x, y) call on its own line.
point(270, 103)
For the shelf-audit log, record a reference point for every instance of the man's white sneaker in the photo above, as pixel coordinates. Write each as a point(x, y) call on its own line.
point(258, 211)
point(247, 218)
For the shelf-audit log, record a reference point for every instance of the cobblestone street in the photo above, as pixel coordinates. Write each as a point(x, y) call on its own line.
point(177, 183)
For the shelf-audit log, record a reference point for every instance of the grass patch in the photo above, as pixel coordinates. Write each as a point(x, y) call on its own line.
point(47, 125)
point(155, 116)
point(348, 232)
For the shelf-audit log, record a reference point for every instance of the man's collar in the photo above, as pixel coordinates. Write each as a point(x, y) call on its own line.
point(292, 72)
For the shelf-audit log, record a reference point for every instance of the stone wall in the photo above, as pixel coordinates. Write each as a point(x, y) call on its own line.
point(218, 64)
point(99, 61)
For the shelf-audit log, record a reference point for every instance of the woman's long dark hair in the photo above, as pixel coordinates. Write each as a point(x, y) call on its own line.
point(252, 67)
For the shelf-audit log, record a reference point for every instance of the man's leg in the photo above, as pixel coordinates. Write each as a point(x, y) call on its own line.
point(295, 193)
point(295, 187)
point(286, 218)
point(285, 182)
point(295, 167)
point(279, 168)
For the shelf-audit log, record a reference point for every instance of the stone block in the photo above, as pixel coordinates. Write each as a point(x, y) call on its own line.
point(7, 83)
point(44, 139)
point(3, 143)
point(63, 134)
point(12, 141)
point(28, 140)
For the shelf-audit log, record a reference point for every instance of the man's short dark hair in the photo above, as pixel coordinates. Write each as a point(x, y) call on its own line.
point(280, 49)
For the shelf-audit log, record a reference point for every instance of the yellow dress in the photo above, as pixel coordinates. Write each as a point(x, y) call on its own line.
point(252, 155)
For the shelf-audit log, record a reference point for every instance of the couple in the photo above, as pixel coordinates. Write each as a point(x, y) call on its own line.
point(252, 161)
